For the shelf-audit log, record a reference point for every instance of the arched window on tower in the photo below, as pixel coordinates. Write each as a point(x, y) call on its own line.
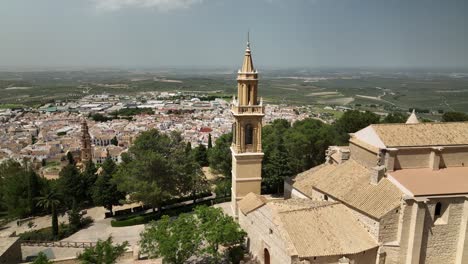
point(248, 134)
point(249, 92)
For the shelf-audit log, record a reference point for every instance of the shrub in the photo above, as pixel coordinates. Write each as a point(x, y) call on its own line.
point(41, 259)
point(45, 234)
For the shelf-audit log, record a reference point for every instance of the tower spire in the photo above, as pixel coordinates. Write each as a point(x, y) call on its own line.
point(247, 65)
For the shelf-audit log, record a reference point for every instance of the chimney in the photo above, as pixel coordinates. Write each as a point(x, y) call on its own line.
point(345, 154)
point(377, 173)
point(434, 158)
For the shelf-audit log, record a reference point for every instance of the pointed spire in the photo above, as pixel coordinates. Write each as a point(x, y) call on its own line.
point(412, 119)
point(247, 65)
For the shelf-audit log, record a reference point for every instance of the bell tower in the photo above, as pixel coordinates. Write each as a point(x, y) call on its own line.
point(86, 151)
point(246, 148)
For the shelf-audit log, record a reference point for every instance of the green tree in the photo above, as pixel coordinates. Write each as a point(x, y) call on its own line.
point(105, 192)
point(151, 171)
point(306, 143)
point(41, 259)
point(188, 148)
point(33, 190)
point(104, 252)
point(51, 201)
point(217, 229)
point(89, 177)
point(114, 141)
point(219, 156)
point(454, 117)
point(352, 121)
point(210, 144)
point(277, 169)
point(70, 158)
point(175, 240)
point(71, 185)
point(223, 188)
point(201, 155)
point(15, 189)
point(396, 117)
point(200, 234)
point(190, 178)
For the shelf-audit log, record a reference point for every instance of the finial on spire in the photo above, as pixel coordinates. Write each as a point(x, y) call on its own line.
point(248, 39)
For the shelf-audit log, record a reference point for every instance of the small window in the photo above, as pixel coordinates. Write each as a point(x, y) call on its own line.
point(438, 210)
point(325, 197)
point(271, 231)
point(441, 213)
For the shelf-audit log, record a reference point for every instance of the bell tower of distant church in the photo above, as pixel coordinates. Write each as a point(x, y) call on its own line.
point(86, 151)
point(246, 147)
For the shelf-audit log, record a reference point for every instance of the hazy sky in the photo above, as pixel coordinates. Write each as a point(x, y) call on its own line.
point(205, 33)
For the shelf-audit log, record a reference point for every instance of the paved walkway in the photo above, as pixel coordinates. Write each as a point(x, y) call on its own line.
point(96, 213)
point(103, 229)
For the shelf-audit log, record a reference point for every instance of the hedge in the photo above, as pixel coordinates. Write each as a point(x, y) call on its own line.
point(148, 217)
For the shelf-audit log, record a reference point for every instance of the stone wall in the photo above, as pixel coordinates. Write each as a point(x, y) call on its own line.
point(363, 155)
point(263, 233)
point(454, 157)
point(371, 225)
point(412, 158)
point(389, 226)
point(12, 254)
point(439, 241)
point(287, 189)
point(404, 233)
point(391, 254)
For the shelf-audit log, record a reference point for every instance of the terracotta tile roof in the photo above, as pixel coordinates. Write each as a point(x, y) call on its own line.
point(422, 182)
point(251, 202)
point(349, 183)
point(422, 134)
point(304, 181)
point(325, 230)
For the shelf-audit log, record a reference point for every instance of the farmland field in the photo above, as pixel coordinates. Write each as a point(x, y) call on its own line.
point(385, 91)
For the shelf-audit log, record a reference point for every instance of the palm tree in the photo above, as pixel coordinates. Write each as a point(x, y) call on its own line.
point(50, 201)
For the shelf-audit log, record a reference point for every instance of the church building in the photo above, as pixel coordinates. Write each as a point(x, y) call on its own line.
point(397, 193)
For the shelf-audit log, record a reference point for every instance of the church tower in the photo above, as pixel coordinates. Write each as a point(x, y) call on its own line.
point(86, 152)
point(246, 146)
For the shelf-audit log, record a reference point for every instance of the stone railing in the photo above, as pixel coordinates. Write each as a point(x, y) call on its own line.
point(248, 109)
point(58, 244)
